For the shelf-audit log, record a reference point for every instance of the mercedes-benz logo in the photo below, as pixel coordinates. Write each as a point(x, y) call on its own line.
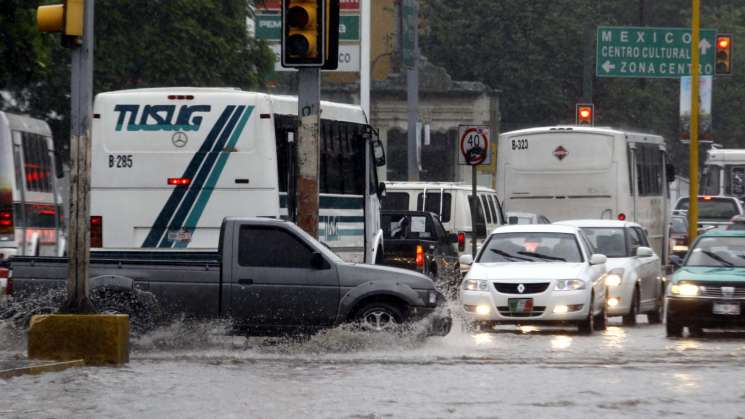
point(179, 139)
point(521, 288)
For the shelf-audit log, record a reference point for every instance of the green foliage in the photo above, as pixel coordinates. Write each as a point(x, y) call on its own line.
point(138, 43)
point(534, 52)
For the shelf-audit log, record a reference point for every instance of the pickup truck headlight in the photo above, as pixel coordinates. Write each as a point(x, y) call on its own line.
point(475, 285)
point(569, 285)
point(684, 290)
point(614, 277)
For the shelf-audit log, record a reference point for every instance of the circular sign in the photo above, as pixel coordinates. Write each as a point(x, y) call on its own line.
point(474, 145)
point(179, 139)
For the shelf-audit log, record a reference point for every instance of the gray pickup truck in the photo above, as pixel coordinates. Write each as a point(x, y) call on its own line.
point(268, 276)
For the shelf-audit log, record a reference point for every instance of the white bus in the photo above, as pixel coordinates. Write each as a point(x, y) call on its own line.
point(570, 172)
point(168, 164)
point(724, 173)
point(30, 203)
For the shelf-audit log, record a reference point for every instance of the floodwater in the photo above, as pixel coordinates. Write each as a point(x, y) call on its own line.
point(194, 371)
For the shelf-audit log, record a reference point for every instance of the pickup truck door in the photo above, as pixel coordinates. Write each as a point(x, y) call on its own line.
point(273, 282)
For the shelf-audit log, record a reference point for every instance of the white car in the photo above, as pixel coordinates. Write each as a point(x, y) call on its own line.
point(634, 277)
point(526, 218)
point(535, 274)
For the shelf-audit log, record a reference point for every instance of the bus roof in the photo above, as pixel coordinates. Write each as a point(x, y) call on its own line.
point(26, 123)
point(726, 155)
point(282, 104)
point(632, 135)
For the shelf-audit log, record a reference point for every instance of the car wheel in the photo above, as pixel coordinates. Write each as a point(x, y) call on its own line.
point(586, 326)
point(601, 320)
point(630, 318)
point(673, 328)
point(695, 331)
point(655, 317)
point(379, 317)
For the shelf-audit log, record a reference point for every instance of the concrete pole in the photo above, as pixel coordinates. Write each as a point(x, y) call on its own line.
point(693, 146)
point(78, 238)
point(309, 133)
point(365, 45)
point(412, 97)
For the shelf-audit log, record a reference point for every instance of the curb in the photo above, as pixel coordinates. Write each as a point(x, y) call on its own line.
point(40, 368)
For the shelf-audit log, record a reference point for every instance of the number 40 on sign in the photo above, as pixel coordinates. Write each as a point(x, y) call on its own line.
point(474, 145)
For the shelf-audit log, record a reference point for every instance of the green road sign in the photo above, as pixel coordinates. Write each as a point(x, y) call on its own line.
point(270, 27)
point(651, 52)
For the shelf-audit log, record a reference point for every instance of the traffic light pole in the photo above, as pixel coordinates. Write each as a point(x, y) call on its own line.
point(78, 239)
point(693, 146)
point(308, 140)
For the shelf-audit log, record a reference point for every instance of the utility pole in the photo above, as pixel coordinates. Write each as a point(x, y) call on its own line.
point(693, 146)
point(410, 13)
point(308, 143)
point(81, 98)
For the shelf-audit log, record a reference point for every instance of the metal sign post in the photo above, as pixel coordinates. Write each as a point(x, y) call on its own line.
point(474, 149)
point(693, 150)
point(309, 131)
point(78, 238)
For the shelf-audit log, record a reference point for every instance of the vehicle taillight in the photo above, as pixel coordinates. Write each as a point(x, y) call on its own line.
point(461, 241)
point(179, 181)
point(5, 274)
point(6, 222)
point(96, 231)
point(622, 217)
point(419, 256)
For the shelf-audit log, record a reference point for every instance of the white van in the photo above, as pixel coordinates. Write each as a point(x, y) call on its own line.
point(451, 201)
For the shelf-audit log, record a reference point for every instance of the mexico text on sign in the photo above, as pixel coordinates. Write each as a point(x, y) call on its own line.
point(651, 52)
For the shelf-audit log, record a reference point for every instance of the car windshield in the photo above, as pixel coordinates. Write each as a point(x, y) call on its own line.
point(679, 225)
point(718, 252)
point(712, 208)
point(608, 241)
point(531, 247)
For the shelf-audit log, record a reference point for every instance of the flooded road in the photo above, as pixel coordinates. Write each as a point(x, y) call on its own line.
point(194, 372)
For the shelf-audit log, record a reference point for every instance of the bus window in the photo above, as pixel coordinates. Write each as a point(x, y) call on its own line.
point(36, 163)
point(710, 180)
point(649, 162)
point(478, 225)
point(433, 204)
point(737, 180)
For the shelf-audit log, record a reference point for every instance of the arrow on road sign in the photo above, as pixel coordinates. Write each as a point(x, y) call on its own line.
point(704, 46)
point(607, 66)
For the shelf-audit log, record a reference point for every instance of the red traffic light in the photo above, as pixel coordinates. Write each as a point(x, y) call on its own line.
point(723, 58)
point(585, 114)
point(723, 42)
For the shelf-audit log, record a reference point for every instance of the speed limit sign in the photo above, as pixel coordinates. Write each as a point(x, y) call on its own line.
point(474, 145)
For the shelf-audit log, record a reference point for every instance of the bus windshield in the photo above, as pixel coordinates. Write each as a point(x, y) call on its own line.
point(710, 180)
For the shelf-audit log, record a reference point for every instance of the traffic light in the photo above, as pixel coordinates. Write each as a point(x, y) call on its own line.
point(303, 33)
point(67, 18)
point(585, 114)
point(724, 54)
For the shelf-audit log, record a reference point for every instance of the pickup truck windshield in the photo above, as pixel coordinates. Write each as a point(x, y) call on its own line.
point(610, 242)
point(718, 252)
point(712, 208)
point(531, 247)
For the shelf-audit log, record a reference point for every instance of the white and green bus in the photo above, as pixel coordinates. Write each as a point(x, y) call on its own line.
point(168, 164)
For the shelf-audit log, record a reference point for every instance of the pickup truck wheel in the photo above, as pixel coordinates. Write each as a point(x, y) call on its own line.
point(142, 307)
point(379, 317)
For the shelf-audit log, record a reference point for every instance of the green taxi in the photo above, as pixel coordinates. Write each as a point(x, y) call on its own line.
point(708, 290)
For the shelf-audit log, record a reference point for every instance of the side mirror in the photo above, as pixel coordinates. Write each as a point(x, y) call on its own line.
point(381, 189)
point(378, 153)
point(513, 220)
point(644, 252)
point(597, 259)
point(318, 262)
point(465, 260)
point(670, 172)
point(452, 238)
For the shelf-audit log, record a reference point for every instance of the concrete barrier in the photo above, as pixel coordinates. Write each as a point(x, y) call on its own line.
point(97, 339)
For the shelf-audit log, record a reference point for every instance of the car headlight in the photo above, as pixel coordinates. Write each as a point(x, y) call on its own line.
point(614, 277)
point(684, 290)
point(569, 285)
point(475, 285)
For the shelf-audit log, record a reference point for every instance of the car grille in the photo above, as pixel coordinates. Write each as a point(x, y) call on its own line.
point(710, 289)
point(537, 311)
point(512, 288)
